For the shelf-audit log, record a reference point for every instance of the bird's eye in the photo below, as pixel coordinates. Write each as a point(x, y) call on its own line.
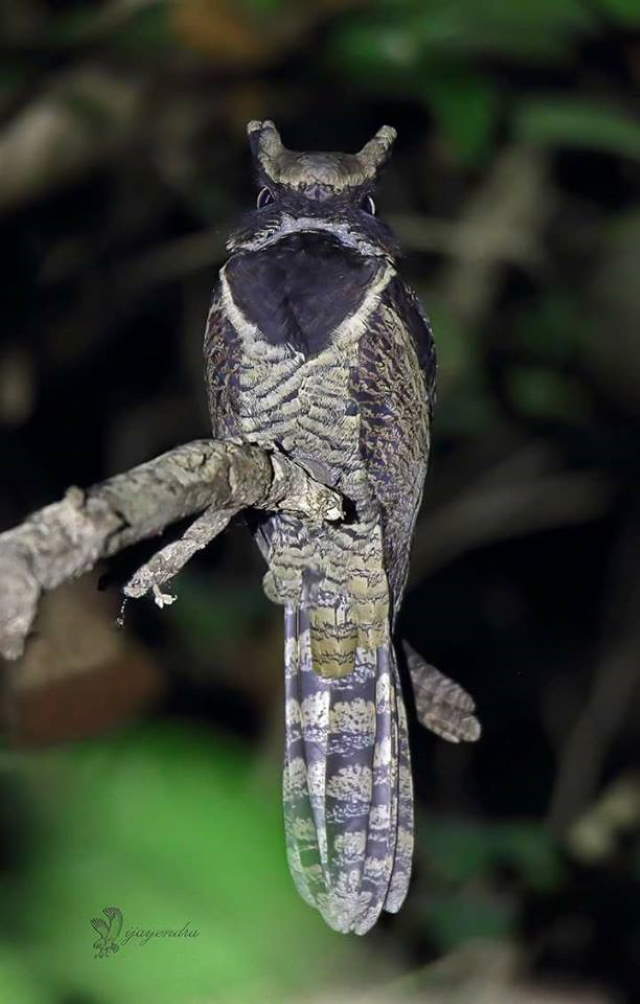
point(368, 205)
point(264, 198)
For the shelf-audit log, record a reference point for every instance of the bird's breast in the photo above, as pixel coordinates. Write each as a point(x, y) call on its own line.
point(301, 291)
point(300, 309)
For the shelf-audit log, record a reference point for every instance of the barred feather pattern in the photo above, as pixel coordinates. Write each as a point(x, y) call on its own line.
point(316, 351)
point(347, 792)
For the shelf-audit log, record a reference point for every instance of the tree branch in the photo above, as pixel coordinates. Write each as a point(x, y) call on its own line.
point(208, 479)
point(67, 538)
point(86, 115)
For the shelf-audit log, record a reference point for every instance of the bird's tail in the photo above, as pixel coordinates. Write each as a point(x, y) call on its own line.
point(347, 788)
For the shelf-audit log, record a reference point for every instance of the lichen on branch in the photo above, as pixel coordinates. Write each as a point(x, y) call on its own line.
point(208, 477)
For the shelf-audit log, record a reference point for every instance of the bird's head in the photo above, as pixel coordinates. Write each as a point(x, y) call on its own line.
point(300, 191)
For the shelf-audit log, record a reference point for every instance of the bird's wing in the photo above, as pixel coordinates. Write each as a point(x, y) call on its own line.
point(222, 352)
point(393, 385)
point(115, 920)
point(442, 705)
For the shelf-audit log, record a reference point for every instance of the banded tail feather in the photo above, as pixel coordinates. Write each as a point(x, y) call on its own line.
point(348, 804)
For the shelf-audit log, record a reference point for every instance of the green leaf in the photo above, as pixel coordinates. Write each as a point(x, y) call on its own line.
point(14, 74)
point(75, 26)
point(625, 11)
point(539, 30)
point(456, 850)
point(555, 325)
point(406, 37)
point(262, 7)
point(172, 828)
point(381, 56)
point(18, 982)
point(459, 851)
point(466, 106)
point(545, 393)
point(147, 26)
point(532, 849)
point(211, 618)
point(457, 350)
point(147, 31)
point(456, 919)
point(559, 121)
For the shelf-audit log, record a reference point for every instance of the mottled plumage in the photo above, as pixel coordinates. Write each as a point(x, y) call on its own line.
point(315, 347)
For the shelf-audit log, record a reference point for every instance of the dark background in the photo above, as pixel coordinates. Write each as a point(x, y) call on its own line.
point(141, 765)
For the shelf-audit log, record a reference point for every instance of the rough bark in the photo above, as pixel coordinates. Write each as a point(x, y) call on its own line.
point(67, 538)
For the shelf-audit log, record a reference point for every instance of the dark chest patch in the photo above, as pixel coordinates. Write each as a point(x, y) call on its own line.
point(299, 290)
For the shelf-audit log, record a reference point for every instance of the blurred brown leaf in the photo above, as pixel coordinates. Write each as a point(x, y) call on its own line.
point(80, 674)
point(238, 36)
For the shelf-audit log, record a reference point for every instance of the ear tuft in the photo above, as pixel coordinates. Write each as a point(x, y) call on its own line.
point(264, 140)
point(377, 151)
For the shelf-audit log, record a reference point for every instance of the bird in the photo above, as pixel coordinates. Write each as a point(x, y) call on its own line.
point(316, 349)
point(108, 934)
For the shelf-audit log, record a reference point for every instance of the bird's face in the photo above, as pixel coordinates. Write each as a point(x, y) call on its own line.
point(315, 192)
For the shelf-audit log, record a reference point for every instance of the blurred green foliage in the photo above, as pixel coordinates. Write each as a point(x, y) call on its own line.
point(461, 850)
point(208, 626)
point(514, 193)
point(558, 121)
point(172, 827)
